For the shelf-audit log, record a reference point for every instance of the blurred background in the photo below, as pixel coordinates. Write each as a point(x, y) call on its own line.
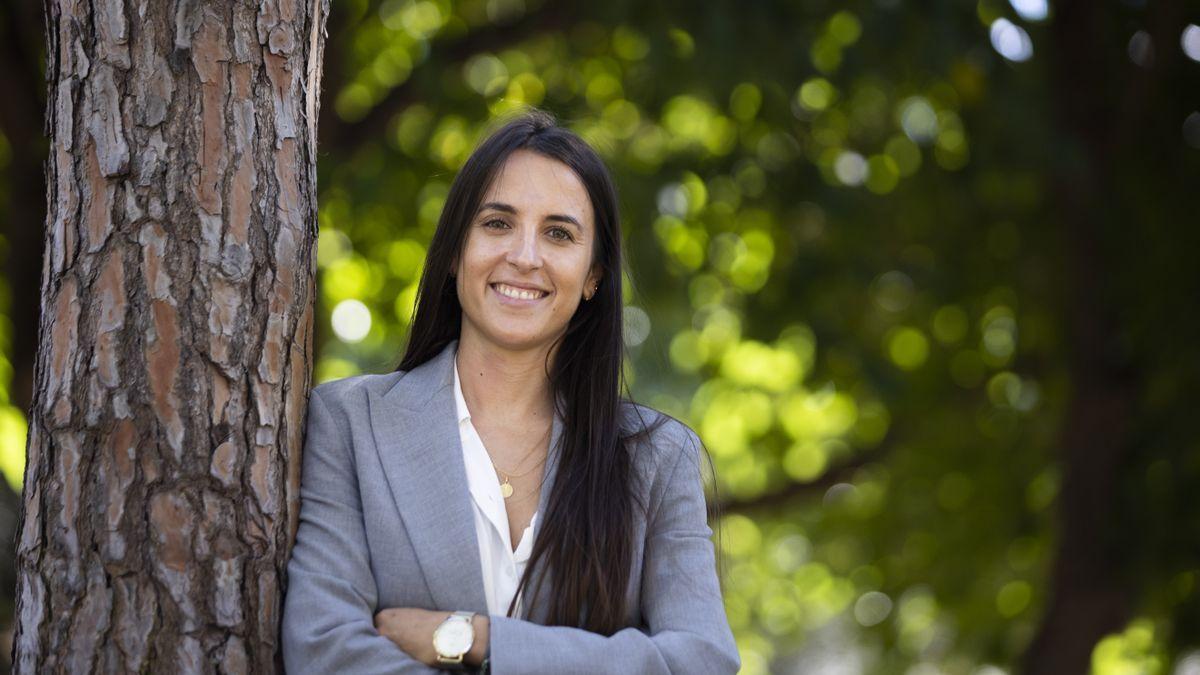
point(921, 274)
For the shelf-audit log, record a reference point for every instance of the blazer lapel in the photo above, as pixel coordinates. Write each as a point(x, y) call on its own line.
point(415, 429)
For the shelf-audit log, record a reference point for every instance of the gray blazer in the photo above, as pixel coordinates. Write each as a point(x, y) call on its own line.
point(385, 521)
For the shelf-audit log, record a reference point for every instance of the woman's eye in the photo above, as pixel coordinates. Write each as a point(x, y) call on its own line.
point(560, 233)
point(495, 223)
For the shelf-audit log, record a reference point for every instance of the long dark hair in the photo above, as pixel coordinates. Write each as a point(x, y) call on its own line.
point(587, 544)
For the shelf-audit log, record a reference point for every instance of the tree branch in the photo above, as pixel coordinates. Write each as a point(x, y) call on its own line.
point(841, 473)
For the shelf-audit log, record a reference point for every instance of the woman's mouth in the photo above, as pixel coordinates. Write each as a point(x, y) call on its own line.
point(518, 295)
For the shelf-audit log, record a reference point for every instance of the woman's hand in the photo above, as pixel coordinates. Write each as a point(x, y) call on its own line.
point(412, 629)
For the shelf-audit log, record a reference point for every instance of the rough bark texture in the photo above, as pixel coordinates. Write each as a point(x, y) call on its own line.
point(161, 488)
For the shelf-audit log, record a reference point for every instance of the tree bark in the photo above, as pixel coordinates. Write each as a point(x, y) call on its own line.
point(161, 488)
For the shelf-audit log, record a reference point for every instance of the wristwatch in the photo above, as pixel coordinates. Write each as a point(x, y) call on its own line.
point(453, 639)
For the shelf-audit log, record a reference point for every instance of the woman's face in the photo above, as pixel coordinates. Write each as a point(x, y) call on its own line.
point(526, 262)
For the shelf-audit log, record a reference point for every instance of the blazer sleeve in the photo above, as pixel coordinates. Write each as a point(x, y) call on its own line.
point(331, 600)
point(681, 601)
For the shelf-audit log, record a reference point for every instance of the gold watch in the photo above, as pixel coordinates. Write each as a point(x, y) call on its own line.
point(453, 639)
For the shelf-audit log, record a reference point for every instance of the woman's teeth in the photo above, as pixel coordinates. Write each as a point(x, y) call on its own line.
point(518, 293)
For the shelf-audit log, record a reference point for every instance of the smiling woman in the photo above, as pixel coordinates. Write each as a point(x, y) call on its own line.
point(528, 258)
point(495, 503)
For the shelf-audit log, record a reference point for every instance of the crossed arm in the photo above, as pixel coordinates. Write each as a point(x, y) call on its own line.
point(332, 622)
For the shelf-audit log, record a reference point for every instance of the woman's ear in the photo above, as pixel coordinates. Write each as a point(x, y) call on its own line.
point(592, 283)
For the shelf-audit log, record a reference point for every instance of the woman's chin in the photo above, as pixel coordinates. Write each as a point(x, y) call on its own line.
point(519, 342)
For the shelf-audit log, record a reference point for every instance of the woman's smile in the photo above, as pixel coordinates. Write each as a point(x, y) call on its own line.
point(518, 296)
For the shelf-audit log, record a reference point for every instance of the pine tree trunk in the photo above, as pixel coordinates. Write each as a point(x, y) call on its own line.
point(161, 489)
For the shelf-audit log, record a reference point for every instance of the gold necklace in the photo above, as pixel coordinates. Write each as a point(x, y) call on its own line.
point(532, 492)
point(506, 488)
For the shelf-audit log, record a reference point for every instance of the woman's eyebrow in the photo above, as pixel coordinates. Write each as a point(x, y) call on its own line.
point(512, 210)
point(499, 206)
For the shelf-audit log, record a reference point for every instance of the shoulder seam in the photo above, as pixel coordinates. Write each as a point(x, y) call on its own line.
point(342, 433)
point(670, 475)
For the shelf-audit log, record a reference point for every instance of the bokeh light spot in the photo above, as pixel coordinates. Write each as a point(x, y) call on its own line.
point(892, 291)
point(1141, 49)
point(950, 324)
point(805, 460)
point(1010, 40)
point(907, 347)
point(872, 608)
point(744, 101)
point(845, 28)
point(816, 94)
point(13, 430)
point(918, 119)
point(1013, 598)
point(1135, 650)
point(486, 74)
point(850, 168)
point(629, 44)
point(743, 538)
point(636, 325)
point(351, 321)
point(1190, 41)
point(1191, 130)
point(1031, 10)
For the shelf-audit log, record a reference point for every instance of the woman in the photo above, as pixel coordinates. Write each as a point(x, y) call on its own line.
point(494, 503)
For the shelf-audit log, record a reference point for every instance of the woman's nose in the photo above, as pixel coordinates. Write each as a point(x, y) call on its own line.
point(523, 251)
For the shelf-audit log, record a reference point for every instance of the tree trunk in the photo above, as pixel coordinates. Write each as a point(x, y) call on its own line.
point(161, 488)
point(1099, 112)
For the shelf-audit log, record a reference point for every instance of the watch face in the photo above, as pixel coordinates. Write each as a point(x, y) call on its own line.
point(454, 637)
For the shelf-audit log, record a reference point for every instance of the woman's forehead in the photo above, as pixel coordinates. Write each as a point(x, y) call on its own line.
point(531, 181)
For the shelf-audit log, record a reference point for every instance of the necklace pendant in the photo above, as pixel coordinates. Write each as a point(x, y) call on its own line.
point(506, 489)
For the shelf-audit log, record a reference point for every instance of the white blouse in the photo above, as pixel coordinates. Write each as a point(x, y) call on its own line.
point(502, 567)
